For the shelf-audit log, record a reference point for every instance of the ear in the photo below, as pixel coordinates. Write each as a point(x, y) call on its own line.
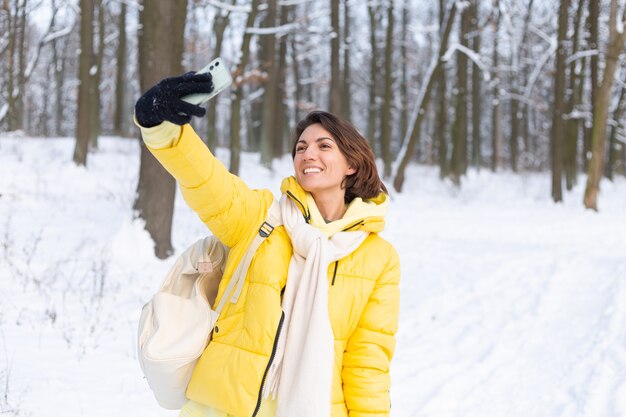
point(351, 171)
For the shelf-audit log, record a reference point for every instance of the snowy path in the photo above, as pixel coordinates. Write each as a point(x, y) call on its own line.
point(511, 306)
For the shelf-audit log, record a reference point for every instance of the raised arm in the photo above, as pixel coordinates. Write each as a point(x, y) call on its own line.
point(222, 200)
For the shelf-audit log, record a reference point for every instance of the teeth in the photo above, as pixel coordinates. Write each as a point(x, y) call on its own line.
point(309, 170)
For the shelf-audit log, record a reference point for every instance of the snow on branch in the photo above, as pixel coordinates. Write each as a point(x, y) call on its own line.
point(537, 70)
point(475, 57)
point(58, 34)
point(229, 7)
point(580, 55)
point(3, 112)
point(541, 34)
point(132, 4)
point(293, 2)
point(416, 110)
point(277, 30)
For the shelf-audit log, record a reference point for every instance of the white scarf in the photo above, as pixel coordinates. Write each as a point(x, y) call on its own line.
point(301, 373)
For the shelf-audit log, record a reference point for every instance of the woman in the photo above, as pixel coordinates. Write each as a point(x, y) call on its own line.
point(313, 331)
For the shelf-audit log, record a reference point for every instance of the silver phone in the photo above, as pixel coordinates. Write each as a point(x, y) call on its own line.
point(221, 80)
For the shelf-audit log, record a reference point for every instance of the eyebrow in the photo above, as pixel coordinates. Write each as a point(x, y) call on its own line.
point(321, 138)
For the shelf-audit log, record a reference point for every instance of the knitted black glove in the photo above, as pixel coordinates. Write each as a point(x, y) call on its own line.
point(163, 101)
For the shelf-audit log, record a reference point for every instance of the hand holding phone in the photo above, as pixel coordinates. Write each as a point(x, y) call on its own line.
point(221, 79)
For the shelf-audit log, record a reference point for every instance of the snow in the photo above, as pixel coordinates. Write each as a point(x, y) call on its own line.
point(58, 34)
point(229, 7)
point(580, 55)
point(276, 30)
point(511, 304)
point(471, 54)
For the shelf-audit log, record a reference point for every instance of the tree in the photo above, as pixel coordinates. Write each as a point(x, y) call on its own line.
point(406, 154)
point(458, 163)
point(593, 44)
point(496, 109)
point(120, 74)
point(617, 38)
point(346, 95)
point(442, 113)
point(374, 18)
point(385, 123)
point(222, 18)
point(269, 66)
point(558, 108)
point(237, 90)
point(476, 86)
point(84, 118)
point(96, 74)
point(404, 60)
point(160, 56)
point(334, 94)
point(614, 145)
point(516, 112)
point(570, 144)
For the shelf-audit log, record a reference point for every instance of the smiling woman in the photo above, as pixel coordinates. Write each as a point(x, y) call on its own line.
point(327, 354)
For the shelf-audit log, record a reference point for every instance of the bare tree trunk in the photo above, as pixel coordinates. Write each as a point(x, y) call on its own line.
point(21, 56)
point(385, 123)
point(458, 161)
point(496, 111)
point(59, 71)
point(404, 60)
point(84, 122)
point(97, 77)
point(237, 94)
point(442, 114)
point(601, 108)
point(372, 107)
point(160, 56)
point(570, 144)
point(519, 108)
point(346, 94)
point(560, 77)
point(421, 106)
point(222, 19)
point(269, 66)
point(334, 94)
point(529, 148)
point(295, 63)
point(476, 87)
point(592, 29)
point(120, 75)
point(613, 143)
point(10, 71)
point(281, 142)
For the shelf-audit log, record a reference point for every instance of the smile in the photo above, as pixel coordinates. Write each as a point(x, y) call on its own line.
point(312, 170)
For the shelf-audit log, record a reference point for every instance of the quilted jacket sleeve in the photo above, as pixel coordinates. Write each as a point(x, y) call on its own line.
point(222, 200)
point(365, 372)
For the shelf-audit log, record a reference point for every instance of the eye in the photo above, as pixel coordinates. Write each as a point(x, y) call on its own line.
point(300, 149)
point(325, 145)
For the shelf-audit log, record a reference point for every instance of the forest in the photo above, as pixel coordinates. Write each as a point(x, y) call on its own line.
point(516, 85)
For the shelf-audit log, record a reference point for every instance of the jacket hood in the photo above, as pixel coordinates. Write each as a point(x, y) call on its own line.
point(365, 215)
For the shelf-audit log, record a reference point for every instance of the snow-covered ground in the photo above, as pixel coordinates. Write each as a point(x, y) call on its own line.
point(511, 305)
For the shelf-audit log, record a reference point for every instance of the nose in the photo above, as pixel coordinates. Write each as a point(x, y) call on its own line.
point(309, 154)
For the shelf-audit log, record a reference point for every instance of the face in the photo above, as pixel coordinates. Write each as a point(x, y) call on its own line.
point(319, 164)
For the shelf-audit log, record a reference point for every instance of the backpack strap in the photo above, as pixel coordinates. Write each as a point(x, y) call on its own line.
point(272, 221)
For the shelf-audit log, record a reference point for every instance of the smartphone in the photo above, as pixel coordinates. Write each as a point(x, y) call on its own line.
point(221, 80)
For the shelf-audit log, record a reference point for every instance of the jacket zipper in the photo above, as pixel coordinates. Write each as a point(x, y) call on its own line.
point(258, 403)
point(334, 273)
point(305, 212)
point(360, 222)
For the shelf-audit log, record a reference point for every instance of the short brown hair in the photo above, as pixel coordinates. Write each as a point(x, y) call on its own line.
point(365, 182)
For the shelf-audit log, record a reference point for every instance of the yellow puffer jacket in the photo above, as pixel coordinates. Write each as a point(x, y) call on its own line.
point(363, 291)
